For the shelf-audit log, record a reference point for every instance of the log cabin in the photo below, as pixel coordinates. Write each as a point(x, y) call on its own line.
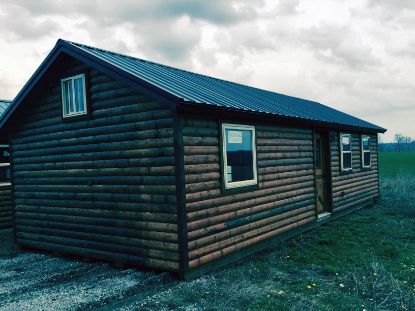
point(6, 211)
point(125, 160)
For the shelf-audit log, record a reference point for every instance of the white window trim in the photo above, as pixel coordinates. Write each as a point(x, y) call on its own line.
point(342, 152)
point(72, 114)
point(363, 152)
point(237, 184)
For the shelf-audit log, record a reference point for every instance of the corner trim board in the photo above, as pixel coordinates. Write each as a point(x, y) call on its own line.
point(181, 196)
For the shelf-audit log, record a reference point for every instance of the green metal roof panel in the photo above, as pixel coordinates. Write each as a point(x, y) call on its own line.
point(196, 88)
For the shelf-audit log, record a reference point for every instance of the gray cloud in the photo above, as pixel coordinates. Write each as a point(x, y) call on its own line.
point(406, 50)
point(16, 23)
point(220, 12)
point(154, 22)
point(288, 7)
point(395, 5)
point(339, 44)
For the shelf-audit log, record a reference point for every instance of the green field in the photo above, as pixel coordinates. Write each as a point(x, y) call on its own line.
point(393, 163)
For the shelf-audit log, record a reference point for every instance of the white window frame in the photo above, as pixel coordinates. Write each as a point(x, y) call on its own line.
point(366, 151)
point(243, 183)
point(343, 152)
point(73, 114)
point(5, 165)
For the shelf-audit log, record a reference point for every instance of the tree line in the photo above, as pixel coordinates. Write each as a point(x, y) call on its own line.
point(401, 143)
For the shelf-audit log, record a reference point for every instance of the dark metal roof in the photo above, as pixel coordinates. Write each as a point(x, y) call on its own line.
point(193, 87)
point(4, 104)
point(183, 87)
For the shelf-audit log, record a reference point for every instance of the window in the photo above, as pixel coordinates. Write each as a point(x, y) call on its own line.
point(318, 154)
point(4, 155)
point(4, 163)
point(239, 155)
point(4, 172)
point(366, 163)
point(346, 152)
point(74, 96)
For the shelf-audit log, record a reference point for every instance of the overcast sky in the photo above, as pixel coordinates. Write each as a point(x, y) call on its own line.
point(356, 56)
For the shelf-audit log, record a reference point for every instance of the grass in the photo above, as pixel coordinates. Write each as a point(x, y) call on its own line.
point(393, 164)
point(363, 261)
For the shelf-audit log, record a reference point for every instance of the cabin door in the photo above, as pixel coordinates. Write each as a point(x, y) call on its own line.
point(321, 149)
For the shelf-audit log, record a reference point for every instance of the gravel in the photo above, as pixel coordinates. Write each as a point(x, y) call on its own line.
point(41, 281)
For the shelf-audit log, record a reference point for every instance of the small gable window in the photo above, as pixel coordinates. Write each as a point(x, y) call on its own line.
point(366, 163)
point(239, 155)
point(74, 96)
point(345, 152)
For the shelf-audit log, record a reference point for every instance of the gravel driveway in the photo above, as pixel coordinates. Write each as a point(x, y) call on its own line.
point(41, 281)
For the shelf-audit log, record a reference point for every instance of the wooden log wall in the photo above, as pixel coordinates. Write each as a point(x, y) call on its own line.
point(101, 186)
point(358, 186)
point(223, 223)
point(6, 211)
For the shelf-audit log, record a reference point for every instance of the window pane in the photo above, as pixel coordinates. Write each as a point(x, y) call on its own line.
point(4, 174)
point(68, 102)
point(366, 159)
point(365, 143)
point(79, 95)
point(239, 155)
point(346, 143)
point(70, 96)
point(347, 160)
point(4, 156)
point(318, 153)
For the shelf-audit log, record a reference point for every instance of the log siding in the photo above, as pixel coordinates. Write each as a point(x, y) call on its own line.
point(221, 223)
point(103, 186)
point(6, 211)
point(360, 185)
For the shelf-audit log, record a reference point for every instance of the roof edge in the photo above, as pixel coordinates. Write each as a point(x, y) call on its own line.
point(189, 106)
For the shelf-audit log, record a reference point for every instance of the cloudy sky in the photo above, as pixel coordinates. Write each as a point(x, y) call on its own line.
point(356, 56)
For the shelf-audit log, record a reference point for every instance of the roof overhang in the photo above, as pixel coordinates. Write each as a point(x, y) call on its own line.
point(243, 115)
